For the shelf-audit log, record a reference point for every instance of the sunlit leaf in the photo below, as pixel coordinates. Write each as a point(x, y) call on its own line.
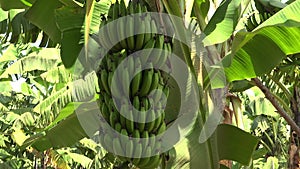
point(272, 163)
point(5, 86)
point(19, 136)
point(258, 52)
point(44, 60)
point(81, 159)
point(9, 54)
point(223, 22)
point(70, 130)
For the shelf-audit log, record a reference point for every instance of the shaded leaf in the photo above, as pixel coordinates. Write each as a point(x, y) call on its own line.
point(69, 22)
point(230, 146)
point(224, 144)
point(42, 14)
point(15, 4)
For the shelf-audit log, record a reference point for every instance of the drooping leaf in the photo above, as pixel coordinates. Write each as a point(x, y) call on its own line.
point(99, 8)
point(223, 22)
point(21, 25)
point(64, 113)
point(287, 16)
point(27, 119)
point(201, 155)
point(225, 144)
point(15, 4)
point(69, 22)
point(70, 48)
point(231, 148)
point(252, 60)
point(47, 103)
point(241, 85)
point(3, 107)
point(76, 91)
point(81, 159)
point(70, 130)
point(200, 10)
point(57, 75)
point(44, 60)
point(42, 14)
point(256, 53)
point(9, 54)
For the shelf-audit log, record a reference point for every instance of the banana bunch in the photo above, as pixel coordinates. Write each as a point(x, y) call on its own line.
point(114, 35)
point(142, 134)
point(142, 84)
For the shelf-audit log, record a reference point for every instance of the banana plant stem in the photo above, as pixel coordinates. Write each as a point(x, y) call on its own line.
point(274, 102)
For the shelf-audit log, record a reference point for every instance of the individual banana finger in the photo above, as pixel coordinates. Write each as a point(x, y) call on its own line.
point(154, 162)
point(140, 25)
point(162, 128)
point(145, 139)
point(129, 149)
point(122, 8)
point(118, 127)
point(147, 81)
point(142, 119)
point(129, 123)
point(125, 81)
point(155, 81)
point(130, 32)
point(105, 112)
point(136, 81)
point(108, 142)
point(104, 81)
point(151, 121)
point(124, 138)
point(117, 147)
point(148, 34)
point(113, 118)
point(147, 53)
point(146, 158)
point(136, 103)
point(156, 54)
point(122, 32)
point(138, 151)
